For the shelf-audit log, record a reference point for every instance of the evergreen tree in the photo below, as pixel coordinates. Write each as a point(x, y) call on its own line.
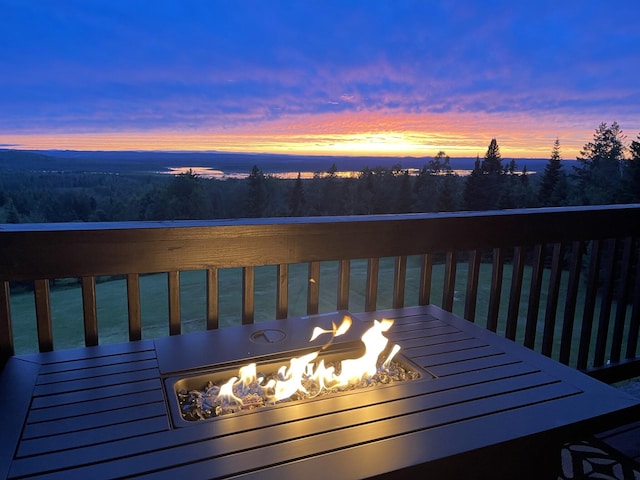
point(11, 213)
point(523, 194)
point(510, 168)
point(441, 163)
point(631, 184)
point(350, 202)
point(257, 196)
point(434, 188)
point(492, 163)
point(403, 195)
point(447, 196)
point(185, 198)
point(599, 175)
point(314, 195)
point(331, 192)
point(296, 198)
point(484, 187)
point(473, 194)
point(182, 198)
point(553, 184)
point(377, 189)
point(423, 191)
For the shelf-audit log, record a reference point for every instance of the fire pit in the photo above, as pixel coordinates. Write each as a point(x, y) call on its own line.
point(332, 369)
point(483, 406)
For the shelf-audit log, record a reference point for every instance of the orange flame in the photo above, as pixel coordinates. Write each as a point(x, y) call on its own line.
point(291, 379)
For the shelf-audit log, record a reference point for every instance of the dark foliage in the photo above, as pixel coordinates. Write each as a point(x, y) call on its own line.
point(604, 175)
point(553, 186)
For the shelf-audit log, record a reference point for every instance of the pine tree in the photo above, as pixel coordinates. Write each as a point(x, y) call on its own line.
point(599, 174)
point(257, 196)
point(331, 201)
point(403, 194)
point(551, 186)
point(492, 163)
point(441, 163)
point(631, 183)
point(296, 198)
point(447, 200)
point(473, 187)
point(484, 187)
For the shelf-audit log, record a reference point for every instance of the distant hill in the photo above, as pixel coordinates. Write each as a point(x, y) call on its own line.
point(153, 162)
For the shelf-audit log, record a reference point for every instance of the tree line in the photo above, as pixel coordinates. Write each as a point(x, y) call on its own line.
point(607, 171)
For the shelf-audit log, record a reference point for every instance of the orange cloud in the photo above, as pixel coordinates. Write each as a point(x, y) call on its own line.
point(348, 133)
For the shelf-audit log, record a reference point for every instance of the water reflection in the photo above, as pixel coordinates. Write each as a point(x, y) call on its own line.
point(208, 172)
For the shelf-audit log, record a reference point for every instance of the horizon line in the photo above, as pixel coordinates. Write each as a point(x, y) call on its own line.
point(20, 148)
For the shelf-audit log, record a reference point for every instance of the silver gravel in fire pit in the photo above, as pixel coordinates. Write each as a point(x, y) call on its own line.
point(250, 385)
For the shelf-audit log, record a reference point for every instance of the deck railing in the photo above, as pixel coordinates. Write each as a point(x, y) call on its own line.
point(563, 281)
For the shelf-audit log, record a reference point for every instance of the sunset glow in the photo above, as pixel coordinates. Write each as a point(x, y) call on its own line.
point(383, 78)
point(348, 134)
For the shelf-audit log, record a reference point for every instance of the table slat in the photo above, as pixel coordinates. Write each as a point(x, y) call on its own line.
point(226, 426)
point(101, 412)
point(94, 406)
point(97, 371)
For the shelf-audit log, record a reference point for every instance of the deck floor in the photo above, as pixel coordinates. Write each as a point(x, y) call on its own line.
point(613, 454)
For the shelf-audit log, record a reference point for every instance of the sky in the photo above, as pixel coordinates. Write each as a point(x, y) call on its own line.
point(318, 77)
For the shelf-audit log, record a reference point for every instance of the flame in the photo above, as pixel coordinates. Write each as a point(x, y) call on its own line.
point(290, 379)
point(227, 394)
point(336, 331)
point(354, 369)
point(302, 373)
point(394, 350)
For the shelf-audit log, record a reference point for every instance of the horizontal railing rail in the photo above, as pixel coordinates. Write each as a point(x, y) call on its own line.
point(563, 281)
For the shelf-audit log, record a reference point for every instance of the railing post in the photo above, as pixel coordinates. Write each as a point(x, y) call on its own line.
point(173, 284)
point(622, 299)
point(43, 315)
point(344, 271)
point(495, 291)
point(6, 332)
point(282, 291)
point(313, 292)
point(471, 296)
point(634, 321)
point(605, 305)
point(589, 305)
point(371, 297)
point(90, 311)
point(449, 289)
point(570, 303)
point(248, 289)
point(533, 307)
point(133, 305)
point(515, 293)
point(426, 270)
point(399, 277)
point(213, 298)
point(552, 300)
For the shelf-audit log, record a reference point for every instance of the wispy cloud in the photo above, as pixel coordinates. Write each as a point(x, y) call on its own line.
point(524, 71)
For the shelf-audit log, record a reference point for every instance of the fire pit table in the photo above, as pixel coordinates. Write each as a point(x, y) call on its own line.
point(474, 406)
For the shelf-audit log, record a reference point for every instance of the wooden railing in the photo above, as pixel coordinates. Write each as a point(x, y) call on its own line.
point(578, 302)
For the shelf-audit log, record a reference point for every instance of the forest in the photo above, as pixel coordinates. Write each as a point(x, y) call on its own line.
point(607, 171)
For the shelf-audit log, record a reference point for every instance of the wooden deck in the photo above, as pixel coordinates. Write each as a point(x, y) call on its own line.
point(573, 270)
point(483, 405)
point(624, 439)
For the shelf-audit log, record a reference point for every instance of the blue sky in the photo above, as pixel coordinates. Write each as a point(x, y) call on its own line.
point(388, 77)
